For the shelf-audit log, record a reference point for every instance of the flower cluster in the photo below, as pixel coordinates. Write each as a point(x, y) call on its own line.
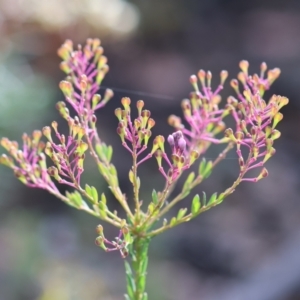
point(29, 162)
point(85, 68)
point(203, 125)
point(253, 136)
point(202, 113)
point(121, 242)
point(255, 119)
point(137, 132)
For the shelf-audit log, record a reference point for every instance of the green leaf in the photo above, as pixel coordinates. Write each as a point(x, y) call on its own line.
point(126, 297)
point(75, 199)
point(88, 190)
point(102, 208)
point(98, 148)
point(181, 213)
point(154, 197)
point(103, 198)
point(131, 176)
point(173, 221)
point(144, 265)
point(109, 153)
point(208, 169)
point(145, 296)
point(151, 208)
point(202, 166)
point(113, 175)
point(94, 194)
point(185, 193)
point(188, 181)
point(103, 170)
point(196, 204)
point(204, 199)
point(212, 199)
point(220, 198)
point(138, 183)
point(130, 281)
point(142, 282)
point(113, 170)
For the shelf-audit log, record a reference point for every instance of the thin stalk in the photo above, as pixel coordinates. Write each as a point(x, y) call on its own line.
point(135, 182)
point(196, 182)
point(121, 198)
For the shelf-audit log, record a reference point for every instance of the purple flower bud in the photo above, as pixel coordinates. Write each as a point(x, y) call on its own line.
point(171, 140)
point(177, 135)
point(182, 144)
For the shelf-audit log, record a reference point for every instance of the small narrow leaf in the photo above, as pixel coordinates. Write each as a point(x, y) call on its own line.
point(188, 181)
point(202, 166)
point(131, 176)
point(113, 170)
point(173, 221)
point(103, 170)
point(102, 208)
point(138, 183)
point(185, 193)
point(103, 198)
point(75, 198)
point(88, 190)
point(212, 199)
point(181, 213)
point(130, 281)
point(142, 282)
point(195, 204)
point(99, 150)
point(145, 296)
point(109, 153)
point(208, 169)
point(112, 174)
point(151, 208)
point(144, 265)
point(94, 193)
point(104, 149)
point(204, 199)
point(154, 197)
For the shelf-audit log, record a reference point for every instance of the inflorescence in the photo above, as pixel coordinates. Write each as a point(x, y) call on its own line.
point(253, 136)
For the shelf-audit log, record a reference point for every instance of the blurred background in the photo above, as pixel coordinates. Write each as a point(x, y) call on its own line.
point(248, 248)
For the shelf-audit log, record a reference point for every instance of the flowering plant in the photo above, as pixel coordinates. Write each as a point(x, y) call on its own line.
point(252, 137)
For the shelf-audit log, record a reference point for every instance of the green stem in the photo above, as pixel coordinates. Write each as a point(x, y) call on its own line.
point(135, 183)
point(136, 272)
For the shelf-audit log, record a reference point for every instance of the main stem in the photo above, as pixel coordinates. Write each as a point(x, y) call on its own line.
point(137, 272)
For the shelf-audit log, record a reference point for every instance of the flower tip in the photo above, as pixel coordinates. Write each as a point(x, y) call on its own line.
point(223, 76)
point(125, 102)
point(244, 65)
point(264, 173)
point(273, 75)
point(66, 87)
point(175, 122)
point(193, 79)
point(150, 124)
point(140, 105)
point(99, 230)
point(234, 83)
point(263, 67)
point(109, 93)
point(47, 132)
